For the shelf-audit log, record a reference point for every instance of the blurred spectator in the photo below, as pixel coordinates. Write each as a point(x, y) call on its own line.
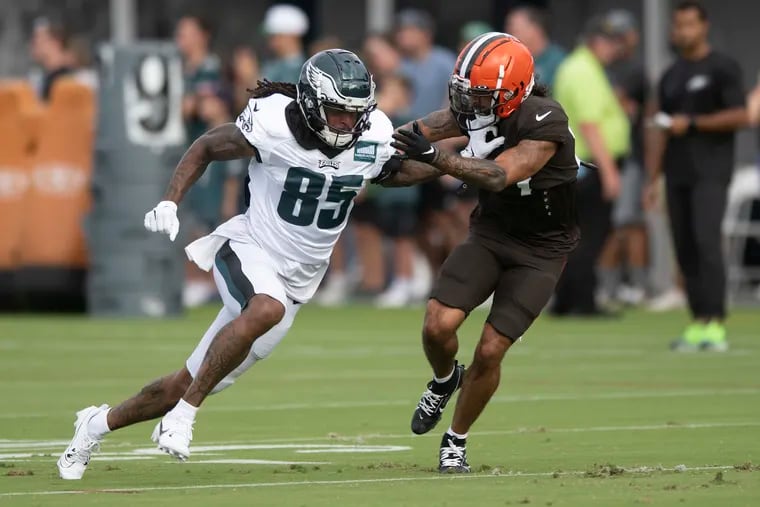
point(284, 26)
point(244, 72)
point(48, 50)
point(428, 67)
point(396, 208)
point(603, 138)
point(702, 105)
point(753, 107)
point(200, 67)
point(471, 30)
point(214, 109)
point(324, 43)
point(79, 53)
point(382, 57)
point(394, 94)
point(202, 71)
point(218, 194)
point(628, 242)
point(531, 26)
point(369, 244)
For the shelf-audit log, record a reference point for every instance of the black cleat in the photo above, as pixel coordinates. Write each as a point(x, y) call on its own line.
point(434, 400)
point(453, 459)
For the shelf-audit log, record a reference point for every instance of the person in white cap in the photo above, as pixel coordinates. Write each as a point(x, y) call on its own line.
point(285, 25)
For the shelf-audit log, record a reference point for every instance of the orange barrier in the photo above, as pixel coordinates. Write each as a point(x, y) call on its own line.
point(58, 194)
point(17, 101)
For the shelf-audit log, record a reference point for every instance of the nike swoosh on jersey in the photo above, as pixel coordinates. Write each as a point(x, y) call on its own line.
point(540, 117)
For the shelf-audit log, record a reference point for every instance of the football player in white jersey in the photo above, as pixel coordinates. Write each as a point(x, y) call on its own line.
point(312, 147)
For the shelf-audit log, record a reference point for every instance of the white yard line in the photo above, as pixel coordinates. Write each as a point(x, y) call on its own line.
point(521, 431)
point(622, 395)
point(637, 470)
point(498, 399)
point(21, 447)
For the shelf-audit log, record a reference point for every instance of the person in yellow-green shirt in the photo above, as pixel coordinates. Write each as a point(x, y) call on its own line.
point(602, 132)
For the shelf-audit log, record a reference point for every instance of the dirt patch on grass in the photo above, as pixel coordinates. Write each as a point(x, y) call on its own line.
point(19, 473)
point(603, 471)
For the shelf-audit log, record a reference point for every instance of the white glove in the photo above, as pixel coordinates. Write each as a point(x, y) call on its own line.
point(478, 147)
point(163, 218)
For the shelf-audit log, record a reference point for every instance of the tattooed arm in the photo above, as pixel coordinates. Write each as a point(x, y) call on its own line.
point(224, 142)
point(437, 125)
point(485, 174)
point(410, 172)
point(515, 164)
point(509, 167)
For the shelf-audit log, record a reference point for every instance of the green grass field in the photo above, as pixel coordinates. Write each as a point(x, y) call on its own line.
point(588, 413)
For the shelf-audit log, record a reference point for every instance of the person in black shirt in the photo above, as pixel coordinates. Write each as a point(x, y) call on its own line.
point(702, 104)
point(521, 157)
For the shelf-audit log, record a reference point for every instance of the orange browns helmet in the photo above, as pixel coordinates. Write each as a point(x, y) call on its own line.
point(492, 76)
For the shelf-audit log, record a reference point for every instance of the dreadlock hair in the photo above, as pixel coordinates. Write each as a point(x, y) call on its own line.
point(265, 88)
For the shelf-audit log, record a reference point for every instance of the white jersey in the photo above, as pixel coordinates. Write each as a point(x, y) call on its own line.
point(300, 199)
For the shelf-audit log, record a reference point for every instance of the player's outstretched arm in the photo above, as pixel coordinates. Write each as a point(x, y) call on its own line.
point(484, 174)
point(511, 166)
point(224, 142)
point(437, 125)
point(409, 172)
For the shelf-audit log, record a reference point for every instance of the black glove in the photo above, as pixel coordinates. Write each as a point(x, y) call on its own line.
point(414, 144)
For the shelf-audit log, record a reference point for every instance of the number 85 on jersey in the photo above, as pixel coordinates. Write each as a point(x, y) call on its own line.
point(300, 202)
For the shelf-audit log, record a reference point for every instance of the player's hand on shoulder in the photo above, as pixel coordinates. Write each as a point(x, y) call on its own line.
point(483, 138)
point(163, 218)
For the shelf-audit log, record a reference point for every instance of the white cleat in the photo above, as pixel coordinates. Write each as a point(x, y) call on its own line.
point(173, 435)
point(74, 460)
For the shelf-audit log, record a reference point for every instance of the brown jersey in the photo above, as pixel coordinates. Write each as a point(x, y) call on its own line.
point(539, 211)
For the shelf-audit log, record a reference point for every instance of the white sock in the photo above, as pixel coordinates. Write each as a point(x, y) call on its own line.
point(456, 435)
point(445, 379)
point(97, 426)
point(185, 410)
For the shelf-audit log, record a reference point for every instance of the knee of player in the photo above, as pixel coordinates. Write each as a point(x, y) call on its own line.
point(436, 329)
point(491, 350)
point(261, 314)
point(440, 322)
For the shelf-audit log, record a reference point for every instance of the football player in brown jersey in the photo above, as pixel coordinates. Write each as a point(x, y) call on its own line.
point(521, 157)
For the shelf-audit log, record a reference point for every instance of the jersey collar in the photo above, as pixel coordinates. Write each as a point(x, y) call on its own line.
point(305, 138)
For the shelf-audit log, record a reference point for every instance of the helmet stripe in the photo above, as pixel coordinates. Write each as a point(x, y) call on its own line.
point(475, 47)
